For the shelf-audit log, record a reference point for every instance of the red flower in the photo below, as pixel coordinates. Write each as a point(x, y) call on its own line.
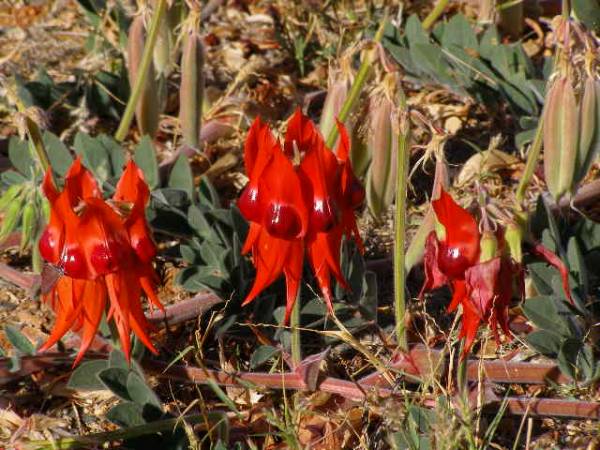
point(104, 252)
point(481, 279)
point(292, 207)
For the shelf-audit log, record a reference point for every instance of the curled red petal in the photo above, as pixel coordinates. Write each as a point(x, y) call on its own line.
point(460, 247)
point(94, 299)
point(434, 277)
point(552, 259)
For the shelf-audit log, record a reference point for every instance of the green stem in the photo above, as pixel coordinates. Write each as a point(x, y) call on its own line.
point(532, 158)
point(461, 371)
point(435, 13)
point(128, 433)
point(400, 225)
point(296, 344)
point(161, 7)
point(566, 9)
point(361, 77)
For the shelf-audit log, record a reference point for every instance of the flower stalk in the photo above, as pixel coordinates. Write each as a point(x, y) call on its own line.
point(296, 343)
point(144, 69)
point(435, 13)
point(532, 158)
point(400, 222)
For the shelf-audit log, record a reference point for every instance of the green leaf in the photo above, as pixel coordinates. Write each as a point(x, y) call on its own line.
point(115, 152)
point(58, 153)
point(20, 156)
point(197, 220)
point(414, 32)
point(181, 176)
point(459, 32)
point(94, 155)
point(117, 359)
point(544, 313)
point(567, 357)
point(126, 414)
point(577, 266)
point(489, 42)
point(145, 158)
point(261, 355)
point(140, 393)
point(115, 380)
point(19, 340)
point(545, 342)
point(588, 12)
point(11, 177)
point(85, 376)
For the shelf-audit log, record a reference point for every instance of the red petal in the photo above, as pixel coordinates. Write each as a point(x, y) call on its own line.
point(555, 261)
point(302, 133)
point(482, 285)
point(80, 183)
point(459, 294)
point(94, 302)
point(285, 215)
point(293, 276)
point(434, 277)
point(269, 255)
point(460, 248)
point(258, 151)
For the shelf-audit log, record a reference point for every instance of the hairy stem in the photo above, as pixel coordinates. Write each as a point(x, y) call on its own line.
point(296, 344)
point(400, 224)
point(161, 7)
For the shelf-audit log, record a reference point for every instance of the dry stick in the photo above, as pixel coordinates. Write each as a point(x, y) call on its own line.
point(140, 81)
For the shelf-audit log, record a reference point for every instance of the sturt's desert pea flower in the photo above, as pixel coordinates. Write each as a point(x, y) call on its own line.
point(103, 252)
point(300, 199)
point(479, 267)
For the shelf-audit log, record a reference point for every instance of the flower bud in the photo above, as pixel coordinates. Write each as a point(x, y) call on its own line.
point(560, 136)
point(514, 238)
point(191, 91)
point(488, 245)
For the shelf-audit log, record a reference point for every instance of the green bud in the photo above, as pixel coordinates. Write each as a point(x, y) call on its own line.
point(28, 225)
point(488, 246)
point(9, 195)
point(514, 238)
point(11, 218)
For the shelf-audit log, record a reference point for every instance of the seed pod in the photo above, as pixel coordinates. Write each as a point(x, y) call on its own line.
point(514, 237)
point(338, 85)
point(560, 137)
point(9, 195)
point(191, 91)
point(161, 57)
point(589, 122)
point(147, 111)
point(11, 218)
point(359, 152)
point(28, 225)
point(383, 147)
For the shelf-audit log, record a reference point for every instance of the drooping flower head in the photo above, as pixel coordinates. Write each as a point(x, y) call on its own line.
point(104, 252)
point(299, 198)
point(477, 267)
